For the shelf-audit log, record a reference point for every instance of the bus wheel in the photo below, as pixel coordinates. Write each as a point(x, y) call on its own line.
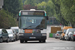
point(21, 41)
point(63, 38)
point(39, 41)
point(7, 40)
point(44, 41)
point(25, 41)
point(1, 40)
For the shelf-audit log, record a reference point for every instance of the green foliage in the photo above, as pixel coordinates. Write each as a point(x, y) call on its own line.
point(39, 1)
point(57, 12)
point(31, 2)
point(10, 10)
point(68, 10)
point(42, 5)
point(23, 1)
point(47, 6)
point(63, 10)
point(13, 6)
point(50, 8)
point(6, 19)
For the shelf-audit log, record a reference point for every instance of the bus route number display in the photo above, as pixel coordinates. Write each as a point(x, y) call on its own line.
point(32, 13)
point(38, 13)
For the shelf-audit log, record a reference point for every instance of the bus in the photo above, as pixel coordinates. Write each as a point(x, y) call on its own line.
point(31, 25)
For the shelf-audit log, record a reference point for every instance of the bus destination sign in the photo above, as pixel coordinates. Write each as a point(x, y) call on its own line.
point(33, 13)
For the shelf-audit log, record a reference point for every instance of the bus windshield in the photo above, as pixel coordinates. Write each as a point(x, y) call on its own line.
point(32, 22)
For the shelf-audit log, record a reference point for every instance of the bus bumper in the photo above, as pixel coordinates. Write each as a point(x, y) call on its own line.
point(30, 36)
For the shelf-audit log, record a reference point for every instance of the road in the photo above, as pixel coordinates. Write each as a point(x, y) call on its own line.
point(51, 44)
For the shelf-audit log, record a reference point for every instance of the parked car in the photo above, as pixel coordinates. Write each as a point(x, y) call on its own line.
point(68, 33)
point(72, 35)
point(64, 31)
point(58, 33)
point(4, 35)
point(11, 34)
point(16, 31)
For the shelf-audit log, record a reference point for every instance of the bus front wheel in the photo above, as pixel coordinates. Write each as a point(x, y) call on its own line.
point(44, 41)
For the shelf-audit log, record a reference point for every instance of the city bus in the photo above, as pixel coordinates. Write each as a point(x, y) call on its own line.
point(31, 25)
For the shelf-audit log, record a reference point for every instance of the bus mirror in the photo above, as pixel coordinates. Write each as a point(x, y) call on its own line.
point(47, 17)
point(17, 18)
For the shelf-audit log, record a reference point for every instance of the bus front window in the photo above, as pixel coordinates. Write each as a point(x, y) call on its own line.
point(32, 22)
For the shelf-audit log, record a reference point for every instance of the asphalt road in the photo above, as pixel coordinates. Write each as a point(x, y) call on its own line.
point(51, 44)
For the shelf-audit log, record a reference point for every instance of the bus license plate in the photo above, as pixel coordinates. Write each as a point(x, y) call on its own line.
point(32, 37)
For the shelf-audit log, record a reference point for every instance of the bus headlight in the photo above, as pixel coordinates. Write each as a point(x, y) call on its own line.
point(43, 34)
point(21, 31)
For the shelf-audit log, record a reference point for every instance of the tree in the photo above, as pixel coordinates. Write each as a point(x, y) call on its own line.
point(47, 6)
point(23, 1)
point(6, 19)
point(39, 1)
point(58, 14)
point(28, 7)
point(13, 6)
point(50, 8)
point(31, 2)
point(42, 5)
point(68, 10)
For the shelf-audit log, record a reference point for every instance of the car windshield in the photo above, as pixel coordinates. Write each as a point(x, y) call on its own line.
point(17, 30)
point(73, 29)
point(59, 32)
point(9, 31)
point(32, 22)
point(65, 30)
point(74, 32)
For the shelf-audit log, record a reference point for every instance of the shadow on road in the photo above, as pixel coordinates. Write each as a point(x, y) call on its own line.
point(34, 42)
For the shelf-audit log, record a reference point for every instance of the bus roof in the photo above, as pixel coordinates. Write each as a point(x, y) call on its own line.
point(32, 10)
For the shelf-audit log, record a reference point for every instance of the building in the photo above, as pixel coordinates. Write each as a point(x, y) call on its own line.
point(1, 4)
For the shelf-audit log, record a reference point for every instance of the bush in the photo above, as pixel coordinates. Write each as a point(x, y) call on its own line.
point(6, 19)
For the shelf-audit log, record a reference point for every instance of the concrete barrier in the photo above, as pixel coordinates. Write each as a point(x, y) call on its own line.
point(52, 35)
